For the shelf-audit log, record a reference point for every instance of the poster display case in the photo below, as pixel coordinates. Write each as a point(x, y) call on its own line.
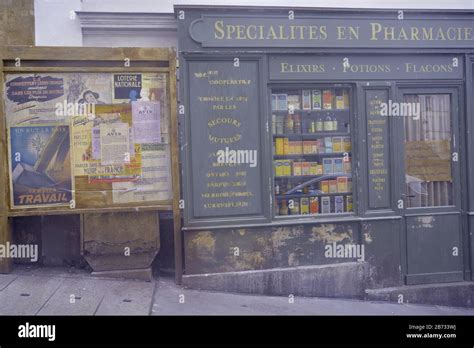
point(88, 130)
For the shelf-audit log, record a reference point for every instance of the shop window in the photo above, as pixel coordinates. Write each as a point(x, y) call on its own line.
point(428, 177)
point(311, 151)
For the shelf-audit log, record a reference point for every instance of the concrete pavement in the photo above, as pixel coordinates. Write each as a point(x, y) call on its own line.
point(59, 291)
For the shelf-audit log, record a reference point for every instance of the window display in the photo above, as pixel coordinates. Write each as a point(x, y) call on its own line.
point(311, 151)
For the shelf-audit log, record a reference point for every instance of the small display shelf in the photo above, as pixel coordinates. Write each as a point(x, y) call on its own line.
point(311, 151)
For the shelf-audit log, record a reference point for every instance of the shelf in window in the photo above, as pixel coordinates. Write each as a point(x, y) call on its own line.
point(329, 154)
point(301, 195)
point(321, 176)
point(311, 135)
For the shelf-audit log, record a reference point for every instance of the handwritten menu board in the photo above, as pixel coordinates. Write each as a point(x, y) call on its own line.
point(378, 150)
point(224, 139)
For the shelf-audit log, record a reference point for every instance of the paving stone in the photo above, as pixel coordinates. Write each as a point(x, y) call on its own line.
point(27, 294)
point(127, 298)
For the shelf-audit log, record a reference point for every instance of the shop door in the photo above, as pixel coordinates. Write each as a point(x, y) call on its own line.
point(430, 190)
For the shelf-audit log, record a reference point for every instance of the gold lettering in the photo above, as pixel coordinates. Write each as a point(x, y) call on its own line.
point(376, 28)
point(219, 31)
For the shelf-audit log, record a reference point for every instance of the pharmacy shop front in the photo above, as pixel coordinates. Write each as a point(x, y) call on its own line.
point(328, 147)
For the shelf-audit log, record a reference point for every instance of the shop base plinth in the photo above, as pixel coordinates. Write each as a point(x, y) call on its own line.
point(343, 280)
point(138, 274)
point(460, 294)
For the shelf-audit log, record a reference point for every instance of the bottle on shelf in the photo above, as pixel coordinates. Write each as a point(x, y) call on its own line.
point(289, 124)
point(296, 124)
point(328, 123)
point(319, 125)
point(334, 123)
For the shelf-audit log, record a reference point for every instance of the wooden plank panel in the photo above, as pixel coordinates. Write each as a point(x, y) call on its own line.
point(86, 53)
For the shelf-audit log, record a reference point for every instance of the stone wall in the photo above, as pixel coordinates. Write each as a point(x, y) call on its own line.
point(17, 22)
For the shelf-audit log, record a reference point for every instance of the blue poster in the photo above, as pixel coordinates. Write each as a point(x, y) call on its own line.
point(40, 166)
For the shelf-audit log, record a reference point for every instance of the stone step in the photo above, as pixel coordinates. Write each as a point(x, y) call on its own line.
point(342, 280)
point(459, 294)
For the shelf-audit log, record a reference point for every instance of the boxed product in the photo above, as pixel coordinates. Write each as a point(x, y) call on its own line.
point(327, 99)
point(345, 96)
point(279, 146)
point(307, 147)
point(297, 168)
point(306, 95)
point(349, 185)
point(278, 164)
point(325, 186)
point(282, 102)
point(332, 186)
point(304, 205)
point(337, 144)
point(314, 205)
point(339, 204)
point(305, 168)
point(327, 165)
point(338, 165)
point(325, 205)
point(347, 166)
point(313, 170)
point(321, 148)
point(293, 101)
point(342, 184)
point(286, 146)
point(287, 164)
point(349, 203)
point(274, 102)
point(328, 145)
point(346, 144)
point(314, 146)
point(319, 169)
point(316, 99)
point(340, 99)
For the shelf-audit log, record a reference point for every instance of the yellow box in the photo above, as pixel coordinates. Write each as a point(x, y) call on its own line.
point(287, 167)
point(337, 144)
point(279, 148)
point(297, 168)
point(342, 184)
point(325, 186)
point(307, 147)
point(332, 186)
point(286, 146)
point(346, 144)
point(305, 168)
point(304, 205)
point(313, 170)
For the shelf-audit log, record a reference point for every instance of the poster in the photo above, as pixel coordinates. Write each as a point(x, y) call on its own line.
point(428, 160)
point(155, 183)
point(114, 143)
point(35, 99)
point(40, 166)
point(146, 122)
point(81, 139)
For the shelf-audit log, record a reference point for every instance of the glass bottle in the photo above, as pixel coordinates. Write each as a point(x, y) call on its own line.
point(289, 124)
point(319, 125)
point(328, 124)
point(283, 208)
point(297, 124)
point(334, 123)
